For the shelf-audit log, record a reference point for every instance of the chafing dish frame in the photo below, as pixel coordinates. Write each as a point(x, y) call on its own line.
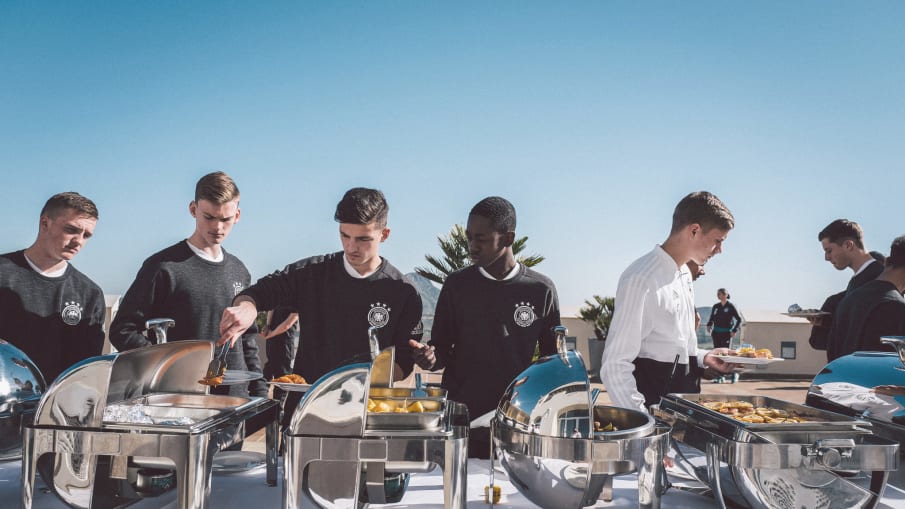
point(742, 445)
point(190, 448)
point(320, 445)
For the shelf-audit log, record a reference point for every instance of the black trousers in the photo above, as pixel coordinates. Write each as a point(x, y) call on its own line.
point(721, 339)
point(656, 379)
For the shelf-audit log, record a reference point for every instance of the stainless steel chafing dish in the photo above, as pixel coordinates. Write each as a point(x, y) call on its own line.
point(814, 463)
point(115, 422)
point(546, 434)
point(340, 454)
point(21, 387)
point(866, 385)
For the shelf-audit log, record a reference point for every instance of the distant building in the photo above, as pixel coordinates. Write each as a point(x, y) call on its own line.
point(787, 338)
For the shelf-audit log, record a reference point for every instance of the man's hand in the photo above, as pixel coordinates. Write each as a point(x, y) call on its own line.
point(423, 355)
point(816, 321)
point(709, 329)
point(236, 320)
point(711, 361)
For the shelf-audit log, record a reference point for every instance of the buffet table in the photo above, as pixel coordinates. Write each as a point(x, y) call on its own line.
point(249, 489)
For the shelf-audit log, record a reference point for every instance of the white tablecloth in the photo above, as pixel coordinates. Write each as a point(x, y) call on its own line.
point(248, 490)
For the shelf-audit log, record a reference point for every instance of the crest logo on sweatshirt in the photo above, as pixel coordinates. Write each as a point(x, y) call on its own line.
point(237, 288)
point(524, 314)
point(72, 313)
point(379, 315)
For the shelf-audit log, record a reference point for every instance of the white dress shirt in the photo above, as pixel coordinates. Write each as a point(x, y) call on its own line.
point(653, 319)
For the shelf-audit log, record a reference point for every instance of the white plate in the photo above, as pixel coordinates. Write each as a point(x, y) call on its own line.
point(808, 314)
point(228, 462)
point(736, 359)
point(286, 386)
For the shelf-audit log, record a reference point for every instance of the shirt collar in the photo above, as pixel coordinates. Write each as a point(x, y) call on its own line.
point(354, 273)
point(864, 266)
point(512, 273)
point(203, 255)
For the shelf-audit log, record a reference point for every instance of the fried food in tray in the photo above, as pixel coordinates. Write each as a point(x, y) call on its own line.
point(746, 412)
point(381, 406)
point(291, 378)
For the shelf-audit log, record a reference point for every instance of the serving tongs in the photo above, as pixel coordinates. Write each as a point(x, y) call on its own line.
point(217, 367)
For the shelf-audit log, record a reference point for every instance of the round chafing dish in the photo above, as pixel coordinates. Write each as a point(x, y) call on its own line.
point(560, 449)
point(21, 387)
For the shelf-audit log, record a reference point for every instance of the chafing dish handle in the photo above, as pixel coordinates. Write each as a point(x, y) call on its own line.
point(713, 467)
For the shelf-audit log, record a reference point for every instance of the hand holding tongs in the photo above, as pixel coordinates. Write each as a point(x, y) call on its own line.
point(217, 367)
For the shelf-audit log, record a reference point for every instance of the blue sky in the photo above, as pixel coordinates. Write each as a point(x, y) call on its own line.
point(593, 118)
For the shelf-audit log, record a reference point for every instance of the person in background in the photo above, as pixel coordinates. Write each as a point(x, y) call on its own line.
point(191, 282)
point(339, 297)
point(48, 309)
point(843, 246)
point(490, 319)
point(282, 334)
point(872, 310)
point(652, 346)
point(723, 325)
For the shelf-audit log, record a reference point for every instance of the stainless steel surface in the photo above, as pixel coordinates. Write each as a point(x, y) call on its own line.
point(544, 434)
point(21, 387)
point(159, 326)
point(782, 465)
point(338, 454)
point(897, 342)
point(90, 462)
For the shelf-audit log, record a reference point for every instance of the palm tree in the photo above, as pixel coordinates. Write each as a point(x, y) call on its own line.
point(455, 255)
point(599, 314)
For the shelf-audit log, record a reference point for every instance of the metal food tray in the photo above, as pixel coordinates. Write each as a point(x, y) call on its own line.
point(692, 405)
point(427, 420)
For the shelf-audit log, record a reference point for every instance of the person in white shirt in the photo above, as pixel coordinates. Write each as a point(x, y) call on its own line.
point(652, 347)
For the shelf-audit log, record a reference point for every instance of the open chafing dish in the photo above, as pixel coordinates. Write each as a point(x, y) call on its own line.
point(548, 434)
point(814, 463)
point(866, 385)
point(21, 387)
point(118, 422)
point(340, 454)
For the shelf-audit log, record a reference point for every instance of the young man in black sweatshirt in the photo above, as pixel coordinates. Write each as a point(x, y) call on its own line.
point(48, 309)
point(339, 296)
point(191, 282)
point(490, 318)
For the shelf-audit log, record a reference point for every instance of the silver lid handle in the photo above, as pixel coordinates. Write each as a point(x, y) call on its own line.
point(374, 342)
point(160, 326)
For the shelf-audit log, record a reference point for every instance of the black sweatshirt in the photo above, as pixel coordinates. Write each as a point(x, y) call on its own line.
point(868, 312)
point(176, 283)
point(336, 310)
point(485, 332)
point(721, 316)
point(820, 333)
point(56, 321)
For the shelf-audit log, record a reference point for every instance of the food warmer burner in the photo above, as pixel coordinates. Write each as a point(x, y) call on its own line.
point(340, 454)
point(816, 463)
point(847, 384)
point(549, 435)
point(21, 387)
point(115, 423)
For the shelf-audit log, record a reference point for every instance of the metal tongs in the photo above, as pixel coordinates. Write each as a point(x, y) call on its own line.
point(217, 367)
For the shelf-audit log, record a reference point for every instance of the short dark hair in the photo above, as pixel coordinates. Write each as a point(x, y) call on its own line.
point(69, 200)
point(500, 212)
point(361, 205)
point(704, 209)
point(841, 230)
point(880, 257)
point(896, 258)
point(217, 188)
point(723, 290)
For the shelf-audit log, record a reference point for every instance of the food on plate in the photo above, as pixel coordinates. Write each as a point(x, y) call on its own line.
point(212, 381)
point(291, 378)
point(752, 353)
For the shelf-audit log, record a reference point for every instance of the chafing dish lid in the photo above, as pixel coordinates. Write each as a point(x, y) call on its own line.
point(545, 392)
point(851, 382)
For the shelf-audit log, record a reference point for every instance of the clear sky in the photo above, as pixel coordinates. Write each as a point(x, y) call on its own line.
point(593, 118)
